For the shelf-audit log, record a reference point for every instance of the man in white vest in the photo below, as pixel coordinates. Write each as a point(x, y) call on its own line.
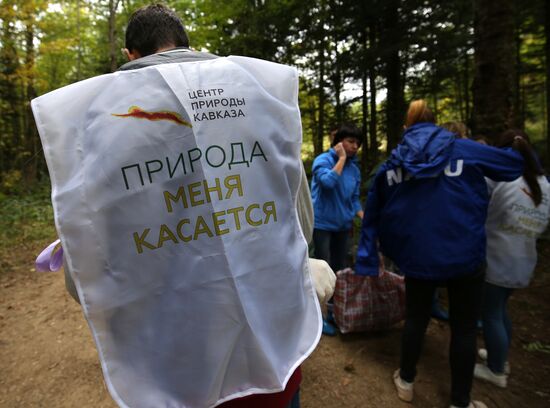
point(156, 36)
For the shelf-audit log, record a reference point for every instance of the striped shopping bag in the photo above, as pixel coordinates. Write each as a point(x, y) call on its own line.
point(368, 303)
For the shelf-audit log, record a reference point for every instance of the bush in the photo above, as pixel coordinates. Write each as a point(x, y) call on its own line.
point(26, 216)
point(11, 182)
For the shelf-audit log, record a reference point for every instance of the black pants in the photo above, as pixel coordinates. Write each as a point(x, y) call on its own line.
point(332, 247)
point(464, 309)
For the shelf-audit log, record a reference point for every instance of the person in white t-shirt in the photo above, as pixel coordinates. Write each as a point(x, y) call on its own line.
point(518, 214)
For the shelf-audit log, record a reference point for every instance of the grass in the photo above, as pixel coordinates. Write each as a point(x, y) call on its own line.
point(26, 217)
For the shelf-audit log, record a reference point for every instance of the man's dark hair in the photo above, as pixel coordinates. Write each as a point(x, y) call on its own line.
point(347, 130)
point(154, 27)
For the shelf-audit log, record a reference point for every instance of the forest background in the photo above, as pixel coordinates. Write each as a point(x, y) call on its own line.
point(481, 62)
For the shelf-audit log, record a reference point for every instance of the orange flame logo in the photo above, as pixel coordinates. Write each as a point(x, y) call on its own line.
point(137, 112)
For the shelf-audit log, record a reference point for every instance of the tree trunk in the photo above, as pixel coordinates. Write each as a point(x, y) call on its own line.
point(336, 65)
point(318, 142)
point(10, 94)
point(113, 5)
point(337, 80)
point(364, 101)
point(435, 100)
point(364, 117)
point(364, 109)
point(79, 39)
point(517, 93)
point(467, 115)
point(395, 97)
point(312, 110)
point(373, 145)
point(394, 105)
point(31, 143)
point(495, 69)
point(318, 145)
point(459, 96)
point(547, 54)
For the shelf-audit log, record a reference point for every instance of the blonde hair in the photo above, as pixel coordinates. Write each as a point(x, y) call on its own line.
point(418, 112)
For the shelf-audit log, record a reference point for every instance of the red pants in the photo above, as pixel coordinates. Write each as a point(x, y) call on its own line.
point(276, 400)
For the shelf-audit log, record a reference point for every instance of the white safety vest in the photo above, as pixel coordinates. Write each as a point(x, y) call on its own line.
point(174, 191)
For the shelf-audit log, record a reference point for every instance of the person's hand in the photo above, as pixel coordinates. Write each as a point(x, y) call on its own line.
point(324, 279)
point(339, 149)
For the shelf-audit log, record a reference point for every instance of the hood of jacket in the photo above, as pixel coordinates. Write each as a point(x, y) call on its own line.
point(424, 151)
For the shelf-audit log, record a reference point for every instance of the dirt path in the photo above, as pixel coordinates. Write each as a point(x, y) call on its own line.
point(47, 357)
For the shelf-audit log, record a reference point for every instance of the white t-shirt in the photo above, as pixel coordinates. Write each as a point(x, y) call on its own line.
point(513, 225)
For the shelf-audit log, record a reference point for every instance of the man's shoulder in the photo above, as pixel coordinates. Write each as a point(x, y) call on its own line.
point(168, 57)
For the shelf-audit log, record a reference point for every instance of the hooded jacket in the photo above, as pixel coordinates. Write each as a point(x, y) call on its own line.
point(335, 196)
point(428, 204)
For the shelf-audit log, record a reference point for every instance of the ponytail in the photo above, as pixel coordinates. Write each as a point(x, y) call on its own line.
point(518, 140)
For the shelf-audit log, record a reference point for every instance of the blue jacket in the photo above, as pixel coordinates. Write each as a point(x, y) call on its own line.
point(428, 204)
point(335, 197)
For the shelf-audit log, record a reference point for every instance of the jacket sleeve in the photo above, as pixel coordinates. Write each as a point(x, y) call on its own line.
point(367, 253)
point(498, 164)
point(323, 173)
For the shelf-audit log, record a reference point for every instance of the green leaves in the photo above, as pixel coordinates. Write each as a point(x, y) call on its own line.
point(387, 51)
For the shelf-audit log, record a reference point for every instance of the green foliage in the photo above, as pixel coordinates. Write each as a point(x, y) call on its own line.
point(335, 44)
point(11, 182)
point(261, 29)
point(26, 216)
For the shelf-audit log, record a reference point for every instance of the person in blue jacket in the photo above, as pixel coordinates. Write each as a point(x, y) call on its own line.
point(427, 210)
point(335, 195)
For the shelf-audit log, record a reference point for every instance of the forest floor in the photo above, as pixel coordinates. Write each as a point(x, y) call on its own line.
point(48, 359)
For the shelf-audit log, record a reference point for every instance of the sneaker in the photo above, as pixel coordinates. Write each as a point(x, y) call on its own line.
point(482, 353)
point(483, 372)
point(329, 329)
point(404, 388)
point(473, 404)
